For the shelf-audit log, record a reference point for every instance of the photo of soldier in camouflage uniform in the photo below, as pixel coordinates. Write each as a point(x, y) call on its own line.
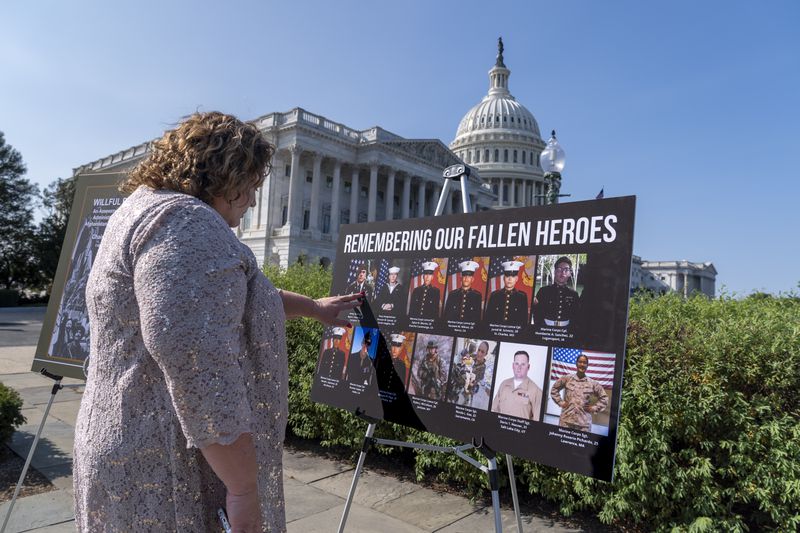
point(431, 366)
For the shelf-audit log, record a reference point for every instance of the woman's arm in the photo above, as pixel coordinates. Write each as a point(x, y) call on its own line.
point(235, 464)
point(326, 310)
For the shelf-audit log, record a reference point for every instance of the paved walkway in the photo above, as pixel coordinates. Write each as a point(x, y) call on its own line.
point(315, 487)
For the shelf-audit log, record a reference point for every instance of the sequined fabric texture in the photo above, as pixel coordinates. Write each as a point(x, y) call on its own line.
point(188, 348)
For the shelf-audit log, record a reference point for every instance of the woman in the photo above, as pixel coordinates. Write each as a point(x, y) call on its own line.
point(186, 396)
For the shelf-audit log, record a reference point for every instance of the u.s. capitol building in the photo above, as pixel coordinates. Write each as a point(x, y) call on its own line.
point(325, 173)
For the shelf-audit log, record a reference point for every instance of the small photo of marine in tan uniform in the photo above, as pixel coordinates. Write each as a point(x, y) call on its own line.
point(520, 395)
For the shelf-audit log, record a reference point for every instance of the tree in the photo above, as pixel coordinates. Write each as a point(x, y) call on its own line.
point(17, 198)
point(57, 198)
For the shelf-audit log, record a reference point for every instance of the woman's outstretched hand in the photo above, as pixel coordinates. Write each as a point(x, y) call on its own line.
point(327, 310)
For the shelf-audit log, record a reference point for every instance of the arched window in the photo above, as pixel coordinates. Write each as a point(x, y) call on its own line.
point(477, 156)
point(496, 155)
point(523, 157)
point(515, 156)
point(486, 155)
point(505, 155)
point(469, 156)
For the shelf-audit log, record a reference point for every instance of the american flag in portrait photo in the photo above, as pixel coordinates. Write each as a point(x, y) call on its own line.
point(416, 273)
point(496, 272)
point(355, 266)
point(438, 280)
point(327, 340)
point(382, 276)
point(452, 269)
point(601, 365)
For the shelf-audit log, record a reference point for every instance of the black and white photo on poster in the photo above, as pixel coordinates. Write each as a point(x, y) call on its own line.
point(63, 346)
point(70, 339)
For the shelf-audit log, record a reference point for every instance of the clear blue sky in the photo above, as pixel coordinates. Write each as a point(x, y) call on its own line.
point(692, 106)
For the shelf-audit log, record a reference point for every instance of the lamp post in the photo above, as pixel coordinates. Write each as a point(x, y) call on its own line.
point(552, 161)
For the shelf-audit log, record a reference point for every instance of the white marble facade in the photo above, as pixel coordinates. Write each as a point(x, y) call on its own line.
point(684, 277)
point(325, 174)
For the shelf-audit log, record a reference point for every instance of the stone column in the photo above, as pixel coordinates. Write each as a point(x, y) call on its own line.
point(524, 202)
point(373, 191)
point(500, 197)
point(421, 198)
point(354, 197)
point(295, 190)
point(513, 191)
point(261, 194)
point(390, 195)
point(275, 193)
point(313, 218)
point(406, 200)
point(335, 194)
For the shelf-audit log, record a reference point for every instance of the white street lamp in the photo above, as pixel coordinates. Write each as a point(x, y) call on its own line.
point(552, 161)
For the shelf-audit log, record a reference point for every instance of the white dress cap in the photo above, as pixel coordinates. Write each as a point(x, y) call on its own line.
point(394, 270)
point(468, 266)
point(512, 266)
point(338, 332)
point(430, 266)
point(397, 338)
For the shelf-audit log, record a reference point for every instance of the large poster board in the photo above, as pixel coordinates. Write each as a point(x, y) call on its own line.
point(504, 325)
point(64, 341)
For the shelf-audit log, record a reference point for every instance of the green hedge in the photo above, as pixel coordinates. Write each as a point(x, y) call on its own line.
point(709, 435)
point(10, 412)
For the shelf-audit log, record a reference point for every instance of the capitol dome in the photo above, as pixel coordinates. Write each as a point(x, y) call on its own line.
point(501, 138)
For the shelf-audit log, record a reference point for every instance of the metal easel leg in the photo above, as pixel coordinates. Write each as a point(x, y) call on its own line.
point(56, 387)
point(444, 196)
point(362, 456)
point(494, 483)
point(513, 482)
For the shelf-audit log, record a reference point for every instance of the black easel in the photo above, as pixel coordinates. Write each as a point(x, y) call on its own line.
point(450, 174)
point(57, 386)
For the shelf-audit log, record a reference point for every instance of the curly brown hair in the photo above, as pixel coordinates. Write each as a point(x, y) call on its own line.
point(206, 155)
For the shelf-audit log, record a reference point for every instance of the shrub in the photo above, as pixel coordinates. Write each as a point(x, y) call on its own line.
point(10, 412)
point(709, 434)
